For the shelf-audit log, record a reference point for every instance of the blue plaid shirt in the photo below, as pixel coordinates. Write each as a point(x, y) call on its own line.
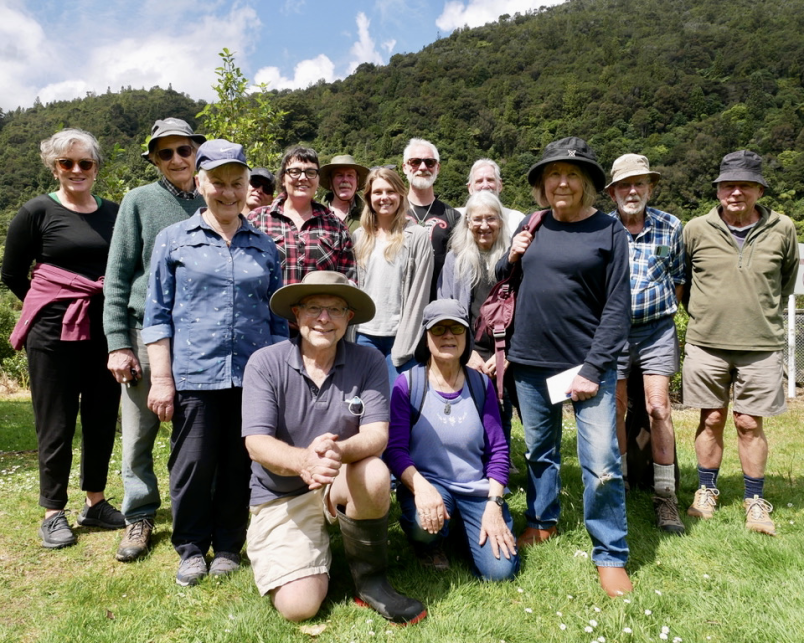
point(657, 266)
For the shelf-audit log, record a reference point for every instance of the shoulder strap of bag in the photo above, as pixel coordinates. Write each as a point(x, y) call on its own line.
point(418, 385)
point(477, 389)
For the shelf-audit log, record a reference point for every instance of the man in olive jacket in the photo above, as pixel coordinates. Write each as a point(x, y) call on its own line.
point(741, 266)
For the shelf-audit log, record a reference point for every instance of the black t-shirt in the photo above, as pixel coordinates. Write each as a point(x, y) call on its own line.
point(439, 219)
point(44, 231)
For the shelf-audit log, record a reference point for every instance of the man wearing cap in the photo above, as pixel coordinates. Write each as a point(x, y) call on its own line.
point(657, 281)
point(421, 165)
point(485, 175)
point(343, 177)
point(144, 211)
point(315, 420)
point(741, 265)
point(262, 185)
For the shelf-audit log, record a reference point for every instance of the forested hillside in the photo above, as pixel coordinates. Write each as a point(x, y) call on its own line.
point(682, 81)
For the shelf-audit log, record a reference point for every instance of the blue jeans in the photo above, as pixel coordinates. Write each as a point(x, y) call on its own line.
point(470, 509)
point(384, 345)
point(598, 455)
point(140, 427)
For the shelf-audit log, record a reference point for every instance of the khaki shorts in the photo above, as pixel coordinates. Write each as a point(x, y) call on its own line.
point(287, 539)
point(710, 374)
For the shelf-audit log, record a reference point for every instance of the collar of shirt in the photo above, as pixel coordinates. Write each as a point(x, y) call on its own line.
point(179, 194)
point(297, 363)
point(197, 222)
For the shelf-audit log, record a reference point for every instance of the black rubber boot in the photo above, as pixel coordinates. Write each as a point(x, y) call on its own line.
point(366, 545)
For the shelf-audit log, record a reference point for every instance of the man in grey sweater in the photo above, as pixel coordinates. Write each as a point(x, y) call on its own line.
point(144, 212)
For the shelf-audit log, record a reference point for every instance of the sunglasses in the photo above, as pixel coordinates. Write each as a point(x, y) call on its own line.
point(430, 163)
point(257, 182)
point(165, 154)
point(455, 329)
point(67, 164)
point(296, 172)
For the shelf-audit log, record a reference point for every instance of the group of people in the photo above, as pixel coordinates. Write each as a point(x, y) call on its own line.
point(207, 301)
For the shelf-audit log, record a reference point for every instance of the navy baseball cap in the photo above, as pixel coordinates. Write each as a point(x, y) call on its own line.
point(219, 152)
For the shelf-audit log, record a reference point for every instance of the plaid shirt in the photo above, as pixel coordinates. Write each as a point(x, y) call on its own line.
point(179, 194)
point(323, 243)
point(657, 266)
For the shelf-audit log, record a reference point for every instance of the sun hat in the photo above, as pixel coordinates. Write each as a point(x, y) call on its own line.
point(170, 127)
point(219, 152)
point(629, 165)
point(744, 165)
point(438, 311)
point(323, 282)
point(572, 150)
point(344, 160)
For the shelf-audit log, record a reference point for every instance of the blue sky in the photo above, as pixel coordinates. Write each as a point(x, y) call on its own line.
point(61, 50)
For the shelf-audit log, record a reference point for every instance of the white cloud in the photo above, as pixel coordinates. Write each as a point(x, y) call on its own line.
point(306, 73)
point(389, 45)
point(475, 13)
point(363, 51)
point(24, 49)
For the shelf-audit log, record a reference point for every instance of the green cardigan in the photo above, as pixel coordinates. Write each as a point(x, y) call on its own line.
point(144, 212)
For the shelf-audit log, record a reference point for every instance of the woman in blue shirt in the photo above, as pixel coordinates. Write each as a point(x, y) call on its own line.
point(207, 310)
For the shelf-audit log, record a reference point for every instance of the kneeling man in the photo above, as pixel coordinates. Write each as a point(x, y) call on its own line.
point(315, 419)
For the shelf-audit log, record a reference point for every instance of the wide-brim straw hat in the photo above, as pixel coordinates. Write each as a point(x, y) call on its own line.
point(344, 160)
point(323, 282)
point(629, 165)
point(570, 150)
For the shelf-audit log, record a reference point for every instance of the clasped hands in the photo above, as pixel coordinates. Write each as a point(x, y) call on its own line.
point(321, 461)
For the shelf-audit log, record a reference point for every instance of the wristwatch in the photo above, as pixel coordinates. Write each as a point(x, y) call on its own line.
point(497, 500)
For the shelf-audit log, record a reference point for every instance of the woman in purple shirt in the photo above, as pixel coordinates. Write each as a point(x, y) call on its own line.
point(447, 448)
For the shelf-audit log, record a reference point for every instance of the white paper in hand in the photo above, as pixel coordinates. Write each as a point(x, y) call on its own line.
point(558, 385)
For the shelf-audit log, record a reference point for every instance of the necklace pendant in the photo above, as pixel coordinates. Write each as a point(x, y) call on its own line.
point(447, 408)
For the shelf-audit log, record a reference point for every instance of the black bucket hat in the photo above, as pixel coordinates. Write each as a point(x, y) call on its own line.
point(570, 150)
point(744, 165)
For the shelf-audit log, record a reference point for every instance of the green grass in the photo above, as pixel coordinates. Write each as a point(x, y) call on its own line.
point(718, 583)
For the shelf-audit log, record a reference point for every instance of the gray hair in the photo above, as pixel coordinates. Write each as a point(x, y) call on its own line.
point(470, 261)
point(589, 190)
point(60, 143)
point(419, 141)
point(480, 163)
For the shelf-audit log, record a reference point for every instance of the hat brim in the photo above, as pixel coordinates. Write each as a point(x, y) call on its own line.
point(200, 139)
point(631, 173)
point(211, 165)
point(596, 172)
point(325, 174)
point(284, 299)
point(741, 175)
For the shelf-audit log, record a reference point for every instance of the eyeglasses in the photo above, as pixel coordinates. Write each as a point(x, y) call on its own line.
point(335, 312)
point(430, 163)
point(257, 182)
point(479, 221)
point(166, 153)
point(455, 329)
point(85, 164)
point(296, 172)
point(356, 406)
point(627, 186)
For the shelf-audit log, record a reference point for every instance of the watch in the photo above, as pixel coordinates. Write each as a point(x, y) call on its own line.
point(497, 500)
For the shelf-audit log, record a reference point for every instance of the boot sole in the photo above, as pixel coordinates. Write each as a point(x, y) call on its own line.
point(416, 619)
point(48, 545)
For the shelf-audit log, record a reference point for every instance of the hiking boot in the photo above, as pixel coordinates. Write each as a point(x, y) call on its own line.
point(101, 514)
point(55, 532)
point(135, 540)
point(432, 557)
point(534, 536)
point(757, 515)
point(704, 503)
point(667, 518)
point(191, 570)
point(224, 563)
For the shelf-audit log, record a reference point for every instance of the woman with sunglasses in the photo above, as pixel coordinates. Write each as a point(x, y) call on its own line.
point(394, 267)
point(309, 235)
point(143, 213)
point(447, 447)
point(66, 234)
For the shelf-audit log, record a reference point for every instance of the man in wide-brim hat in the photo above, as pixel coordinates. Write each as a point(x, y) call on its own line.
point(343, 177)
point(741, 265)
point(315, 420)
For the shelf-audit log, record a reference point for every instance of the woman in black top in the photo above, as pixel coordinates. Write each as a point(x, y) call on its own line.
point(66, 234)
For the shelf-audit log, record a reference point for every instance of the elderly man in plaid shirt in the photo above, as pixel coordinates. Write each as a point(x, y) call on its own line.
point(657, 280)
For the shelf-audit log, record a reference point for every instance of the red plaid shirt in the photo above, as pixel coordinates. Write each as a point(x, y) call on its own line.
point(323, 243)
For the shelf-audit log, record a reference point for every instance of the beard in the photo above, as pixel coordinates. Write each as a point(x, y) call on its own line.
point(632, 207)
point(421, 182)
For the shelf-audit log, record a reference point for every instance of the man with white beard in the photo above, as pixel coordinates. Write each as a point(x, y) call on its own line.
point(421, 165)
point(657, 283)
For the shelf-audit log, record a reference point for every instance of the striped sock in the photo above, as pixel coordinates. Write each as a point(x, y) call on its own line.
point(708, 477)
point(753, 486)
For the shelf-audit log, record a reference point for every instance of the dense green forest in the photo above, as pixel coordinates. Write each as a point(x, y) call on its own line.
point(682, 81)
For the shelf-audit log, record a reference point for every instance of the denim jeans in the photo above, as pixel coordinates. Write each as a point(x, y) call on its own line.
point(598, 455)
point(384, 345)
point(470, 510)
point(140, 426)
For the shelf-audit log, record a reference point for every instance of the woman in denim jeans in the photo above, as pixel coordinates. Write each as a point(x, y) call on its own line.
point(573, 310)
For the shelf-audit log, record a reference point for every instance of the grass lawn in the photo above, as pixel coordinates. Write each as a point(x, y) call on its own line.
point(719, 582)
